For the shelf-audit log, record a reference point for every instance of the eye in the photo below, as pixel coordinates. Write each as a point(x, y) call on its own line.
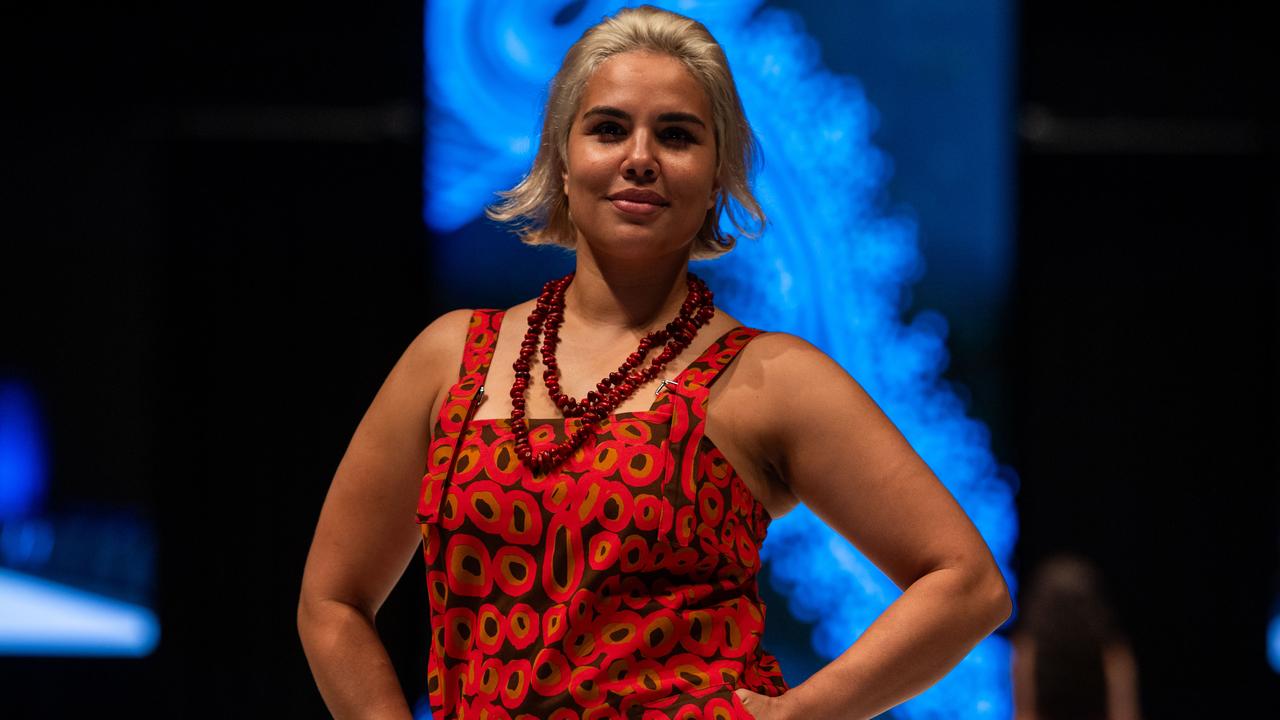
point(677, 136)
point(607, 130)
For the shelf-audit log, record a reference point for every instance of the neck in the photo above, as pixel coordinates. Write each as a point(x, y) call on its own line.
point(625, 294)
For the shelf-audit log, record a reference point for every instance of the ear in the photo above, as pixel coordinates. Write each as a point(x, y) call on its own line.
point(715, 191)
point(564, 179)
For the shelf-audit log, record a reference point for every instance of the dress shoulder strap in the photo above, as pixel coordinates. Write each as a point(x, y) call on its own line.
point(457, 409)
point(688, 401)
point(477, 355)
point(482, 336)
point(703, 372)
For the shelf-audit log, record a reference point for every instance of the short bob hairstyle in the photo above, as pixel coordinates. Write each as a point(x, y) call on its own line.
point(538, 206)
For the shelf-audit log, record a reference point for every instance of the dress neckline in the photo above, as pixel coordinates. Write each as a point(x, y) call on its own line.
point(543, 421)
point(732, 471)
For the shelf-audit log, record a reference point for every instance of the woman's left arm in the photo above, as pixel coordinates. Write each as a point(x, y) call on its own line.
point(843, 458)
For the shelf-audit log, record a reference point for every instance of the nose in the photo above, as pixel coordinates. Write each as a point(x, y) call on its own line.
point(640, 162)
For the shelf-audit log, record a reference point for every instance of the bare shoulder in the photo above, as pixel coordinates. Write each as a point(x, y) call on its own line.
point(784, 342)
point(801, 387)
point(443, 336)
point(434, 355)
point(805, 382)
point(780, 371)
point(791, 361)
point(523, 309)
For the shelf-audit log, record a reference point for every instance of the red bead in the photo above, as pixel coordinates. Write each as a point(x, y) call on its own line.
point(546, 319)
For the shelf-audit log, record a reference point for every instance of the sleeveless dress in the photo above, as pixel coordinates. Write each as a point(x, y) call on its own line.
point(620, 585)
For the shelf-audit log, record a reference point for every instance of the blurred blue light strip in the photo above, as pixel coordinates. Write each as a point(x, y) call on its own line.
point(39, 617)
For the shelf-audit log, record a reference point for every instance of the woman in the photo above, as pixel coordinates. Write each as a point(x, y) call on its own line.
point(594, 554)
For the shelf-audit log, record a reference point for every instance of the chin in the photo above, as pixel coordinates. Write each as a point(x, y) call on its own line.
point(635, 242)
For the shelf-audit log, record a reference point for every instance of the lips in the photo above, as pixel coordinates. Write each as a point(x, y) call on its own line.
point(638, 202)
point(634, 195)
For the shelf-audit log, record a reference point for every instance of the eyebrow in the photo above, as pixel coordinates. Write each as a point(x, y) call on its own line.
point(624, 115)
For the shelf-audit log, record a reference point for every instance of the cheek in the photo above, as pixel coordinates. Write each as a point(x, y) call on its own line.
point(590, 172)
point(694, 181)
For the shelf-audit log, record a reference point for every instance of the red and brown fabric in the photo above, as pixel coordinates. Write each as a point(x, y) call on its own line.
point(622, 584)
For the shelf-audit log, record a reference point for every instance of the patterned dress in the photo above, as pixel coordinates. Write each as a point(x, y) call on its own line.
point(620, 585)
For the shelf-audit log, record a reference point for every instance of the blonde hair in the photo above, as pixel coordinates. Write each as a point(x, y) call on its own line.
point(538, 206)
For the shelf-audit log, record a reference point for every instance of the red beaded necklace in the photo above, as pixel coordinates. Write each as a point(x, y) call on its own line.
point(617, 386)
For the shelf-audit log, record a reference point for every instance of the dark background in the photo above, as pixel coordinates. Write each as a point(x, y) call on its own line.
point(1143, 346)
point(215, 254)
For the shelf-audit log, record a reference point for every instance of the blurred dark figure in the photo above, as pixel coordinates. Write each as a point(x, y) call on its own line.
point(1070, 659)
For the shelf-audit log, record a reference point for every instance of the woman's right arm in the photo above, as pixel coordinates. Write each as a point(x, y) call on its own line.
point(367, 532)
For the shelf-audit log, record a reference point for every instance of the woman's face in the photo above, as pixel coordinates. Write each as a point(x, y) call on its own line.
point(640, 170)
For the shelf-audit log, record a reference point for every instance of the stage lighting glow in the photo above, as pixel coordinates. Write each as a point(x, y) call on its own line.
point(26, 543)
point(832, 267)
point(39, 617)
point(22, 470)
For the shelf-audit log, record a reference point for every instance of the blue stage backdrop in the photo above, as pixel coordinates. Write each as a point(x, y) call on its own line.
point(842, 254)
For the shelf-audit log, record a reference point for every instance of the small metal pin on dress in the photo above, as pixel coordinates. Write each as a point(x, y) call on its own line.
point(662, 385)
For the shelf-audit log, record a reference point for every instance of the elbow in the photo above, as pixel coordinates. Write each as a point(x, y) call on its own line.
point(987, 600)
point(305, 616)
point(317, 620)
point(315, 612)
point(997, 600)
